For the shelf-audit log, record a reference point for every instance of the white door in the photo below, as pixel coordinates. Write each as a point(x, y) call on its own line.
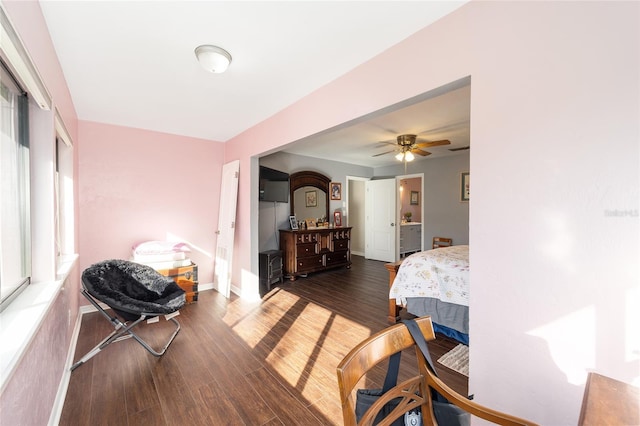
point(226, 228)
point(380, 226)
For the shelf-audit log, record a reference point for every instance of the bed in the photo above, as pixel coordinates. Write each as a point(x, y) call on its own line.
point(433, 282)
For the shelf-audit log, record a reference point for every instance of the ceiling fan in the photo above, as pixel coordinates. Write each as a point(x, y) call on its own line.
point(408, 147)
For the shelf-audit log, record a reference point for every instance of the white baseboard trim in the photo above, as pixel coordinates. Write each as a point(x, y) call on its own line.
point(61, 395)
point(357, 253)
point(207, 286)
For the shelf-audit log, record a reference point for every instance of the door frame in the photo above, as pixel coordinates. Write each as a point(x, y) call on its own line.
point(399, 180)
point(350, 222)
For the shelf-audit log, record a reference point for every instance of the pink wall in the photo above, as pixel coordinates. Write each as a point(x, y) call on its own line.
point(30, 392)
point(138, 185)
point(550, 82)
point(555, 150)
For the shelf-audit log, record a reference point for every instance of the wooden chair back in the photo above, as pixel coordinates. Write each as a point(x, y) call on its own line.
point(413, 391)
point(441, 242)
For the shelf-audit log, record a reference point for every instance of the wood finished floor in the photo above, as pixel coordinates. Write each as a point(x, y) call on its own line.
point(235, 362)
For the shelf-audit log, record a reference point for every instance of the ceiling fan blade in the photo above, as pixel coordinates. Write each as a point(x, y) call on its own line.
point(383, 153)
point(420, 152)
point(433, 143)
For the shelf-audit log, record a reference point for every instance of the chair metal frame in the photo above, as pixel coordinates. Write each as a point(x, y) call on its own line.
point(123, 329)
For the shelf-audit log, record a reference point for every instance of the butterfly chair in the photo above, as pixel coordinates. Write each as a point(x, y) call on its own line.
point(412, 394)
point(441, 242)
point(135, 293)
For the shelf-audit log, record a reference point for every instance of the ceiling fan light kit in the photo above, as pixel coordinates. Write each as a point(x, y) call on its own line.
point(408, 148)
point(213, 58)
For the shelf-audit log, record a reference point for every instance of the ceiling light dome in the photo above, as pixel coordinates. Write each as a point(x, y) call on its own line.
point(213, 58)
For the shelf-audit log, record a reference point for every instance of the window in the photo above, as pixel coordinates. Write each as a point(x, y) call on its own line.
point(63, 197)
point(15, 229)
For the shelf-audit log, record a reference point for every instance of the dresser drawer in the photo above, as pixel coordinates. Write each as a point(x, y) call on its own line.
point(309, 263)
point(306, 237)
point(339, 245)
point(308, 249)
point(341, 234)
point(336, 258)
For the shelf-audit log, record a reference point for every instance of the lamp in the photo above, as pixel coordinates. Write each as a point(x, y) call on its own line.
point(213, 58)
point(406, 156)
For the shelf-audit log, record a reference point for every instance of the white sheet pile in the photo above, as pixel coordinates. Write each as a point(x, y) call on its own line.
point(161, 254)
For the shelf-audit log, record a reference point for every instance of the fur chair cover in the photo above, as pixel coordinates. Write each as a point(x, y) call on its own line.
point(132, 287)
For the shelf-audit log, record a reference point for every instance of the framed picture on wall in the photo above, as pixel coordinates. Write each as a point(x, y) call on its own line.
point(415, 197)
point(464, 186)
point(337, 219)
point(293, 222)
point(336, 191)
point(311, 199)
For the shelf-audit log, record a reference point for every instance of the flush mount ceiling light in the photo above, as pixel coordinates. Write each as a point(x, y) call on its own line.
point(213, 58)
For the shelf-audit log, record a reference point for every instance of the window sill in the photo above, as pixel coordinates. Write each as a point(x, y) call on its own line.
point(20, 321)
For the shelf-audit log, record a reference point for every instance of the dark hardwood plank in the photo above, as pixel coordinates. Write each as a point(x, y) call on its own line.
point(239, 362)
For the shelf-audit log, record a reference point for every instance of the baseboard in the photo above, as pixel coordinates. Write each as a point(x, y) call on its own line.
point(61, 395)
point(211, 286)
point(357, 253)
point(207, 286)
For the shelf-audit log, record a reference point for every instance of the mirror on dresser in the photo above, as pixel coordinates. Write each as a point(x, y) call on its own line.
point(314, 248)
point(309, 197)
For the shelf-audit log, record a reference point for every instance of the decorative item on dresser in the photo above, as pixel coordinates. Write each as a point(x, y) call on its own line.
point(314, 250)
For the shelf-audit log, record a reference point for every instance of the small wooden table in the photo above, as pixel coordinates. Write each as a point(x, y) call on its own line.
point(609, 402)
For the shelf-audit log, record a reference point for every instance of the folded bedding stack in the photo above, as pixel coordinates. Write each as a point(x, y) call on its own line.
point(161, 254)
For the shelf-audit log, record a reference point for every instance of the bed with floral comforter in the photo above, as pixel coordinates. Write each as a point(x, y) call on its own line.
point(436, 282)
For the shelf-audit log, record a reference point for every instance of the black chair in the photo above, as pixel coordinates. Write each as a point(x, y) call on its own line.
point(135, 293)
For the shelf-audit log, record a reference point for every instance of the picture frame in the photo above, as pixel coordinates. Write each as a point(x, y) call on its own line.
point(293, 222)
point(311, 198)
point(337, 219)
point(415, 198)
point(311, 223)
point(336, 190)
point(464, 187)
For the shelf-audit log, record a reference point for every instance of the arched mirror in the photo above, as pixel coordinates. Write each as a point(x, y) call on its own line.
point(309, 195)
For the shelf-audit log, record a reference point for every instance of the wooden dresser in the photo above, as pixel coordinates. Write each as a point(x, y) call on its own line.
point(315, 249)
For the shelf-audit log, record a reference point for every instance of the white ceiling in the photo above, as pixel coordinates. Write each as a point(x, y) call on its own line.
point(131, 63)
